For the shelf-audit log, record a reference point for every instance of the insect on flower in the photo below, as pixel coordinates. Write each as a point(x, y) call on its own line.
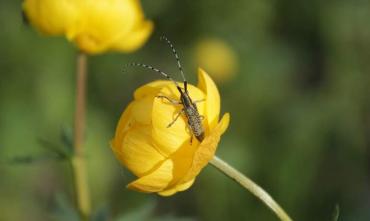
point(165, 160)
point(189, 107)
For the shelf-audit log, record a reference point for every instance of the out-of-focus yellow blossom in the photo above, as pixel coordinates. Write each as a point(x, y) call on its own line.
point(164, 159)
point(95, 26)
point(217, 58)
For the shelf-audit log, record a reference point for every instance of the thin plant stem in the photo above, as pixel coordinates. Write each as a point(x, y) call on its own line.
point(251, 186)
point(78, 160)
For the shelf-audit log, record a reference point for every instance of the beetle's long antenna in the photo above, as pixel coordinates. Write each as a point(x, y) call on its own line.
point(153, 69)
point(176, 55)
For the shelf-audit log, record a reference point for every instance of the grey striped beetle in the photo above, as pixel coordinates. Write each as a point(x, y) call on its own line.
point(189, 109)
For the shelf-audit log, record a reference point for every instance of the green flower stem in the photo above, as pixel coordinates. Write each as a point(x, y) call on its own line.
point(78, 161)
point(251, 186)
point(81, 186)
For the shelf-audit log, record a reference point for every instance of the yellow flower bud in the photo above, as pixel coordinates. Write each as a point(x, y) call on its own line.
point(94, 26)
point(163, 158)
point(217, 57)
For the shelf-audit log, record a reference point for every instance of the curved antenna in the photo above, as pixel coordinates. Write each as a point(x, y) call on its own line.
point(153, 69)
point(176, 56)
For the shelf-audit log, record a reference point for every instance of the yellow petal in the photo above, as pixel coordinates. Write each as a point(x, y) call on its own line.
point(212, 110)
point(142, 110)
point(155, 181)
point(135, 39)
point(124, 124)
point(151, 89)
point(189, 162)
point(177, 188)
point(94, 26)
point(169, 139)
point(207, 149)
point(110, 25)
point(136, 151)
point(182, 160)
point(52, 17)
point(103, 21)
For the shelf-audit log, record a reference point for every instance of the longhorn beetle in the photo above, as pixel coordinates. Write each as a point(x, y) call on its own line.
point(189, 109)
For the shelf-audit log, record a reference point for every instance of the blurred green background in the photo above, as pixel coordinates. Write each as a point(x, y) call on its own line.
point(299, 103)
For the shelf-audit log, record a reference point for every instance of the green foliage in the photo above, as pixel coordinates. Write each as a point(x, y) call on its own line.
point(336, 213)
point(102, 214)
point(54, 151)
point(146, 213)
point(63, 210)
point(142, 213)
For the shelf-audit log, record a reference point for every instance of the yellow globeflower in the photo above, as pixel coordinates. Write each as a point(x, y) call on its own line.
point(217, 57)
point(95, 26)
point(163, 158)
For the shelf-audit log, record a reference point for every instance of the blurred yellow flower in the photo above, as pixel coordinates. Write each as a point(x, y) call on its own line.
point(164, 159)
point(95, 26)
point(217, 58)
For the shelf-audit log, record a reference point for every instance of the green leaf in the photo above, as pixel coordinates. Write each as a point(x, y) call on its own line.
point(27, 159)
point(102, 214)
point(30, 159)
point(145, 213)
point(66, 137)
point(63, 210)
point(54, 148)
point(336, 212)
point(171, 218)
point(140, 214)
point(61, 150)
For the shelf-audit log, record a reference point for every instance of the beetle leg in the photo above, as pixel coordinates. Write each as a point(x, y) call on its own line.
point(174, 120)
point(172, 101)
point(188, 130)
point(198, 101)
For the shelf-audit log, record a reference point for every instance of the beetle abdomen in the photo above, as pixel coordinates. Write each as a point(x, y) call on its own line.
point(195, 123)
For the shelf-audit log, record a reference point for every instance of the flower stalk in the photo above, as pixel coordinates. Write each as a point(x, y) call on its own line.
point(251, 186)
point(78, 160)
